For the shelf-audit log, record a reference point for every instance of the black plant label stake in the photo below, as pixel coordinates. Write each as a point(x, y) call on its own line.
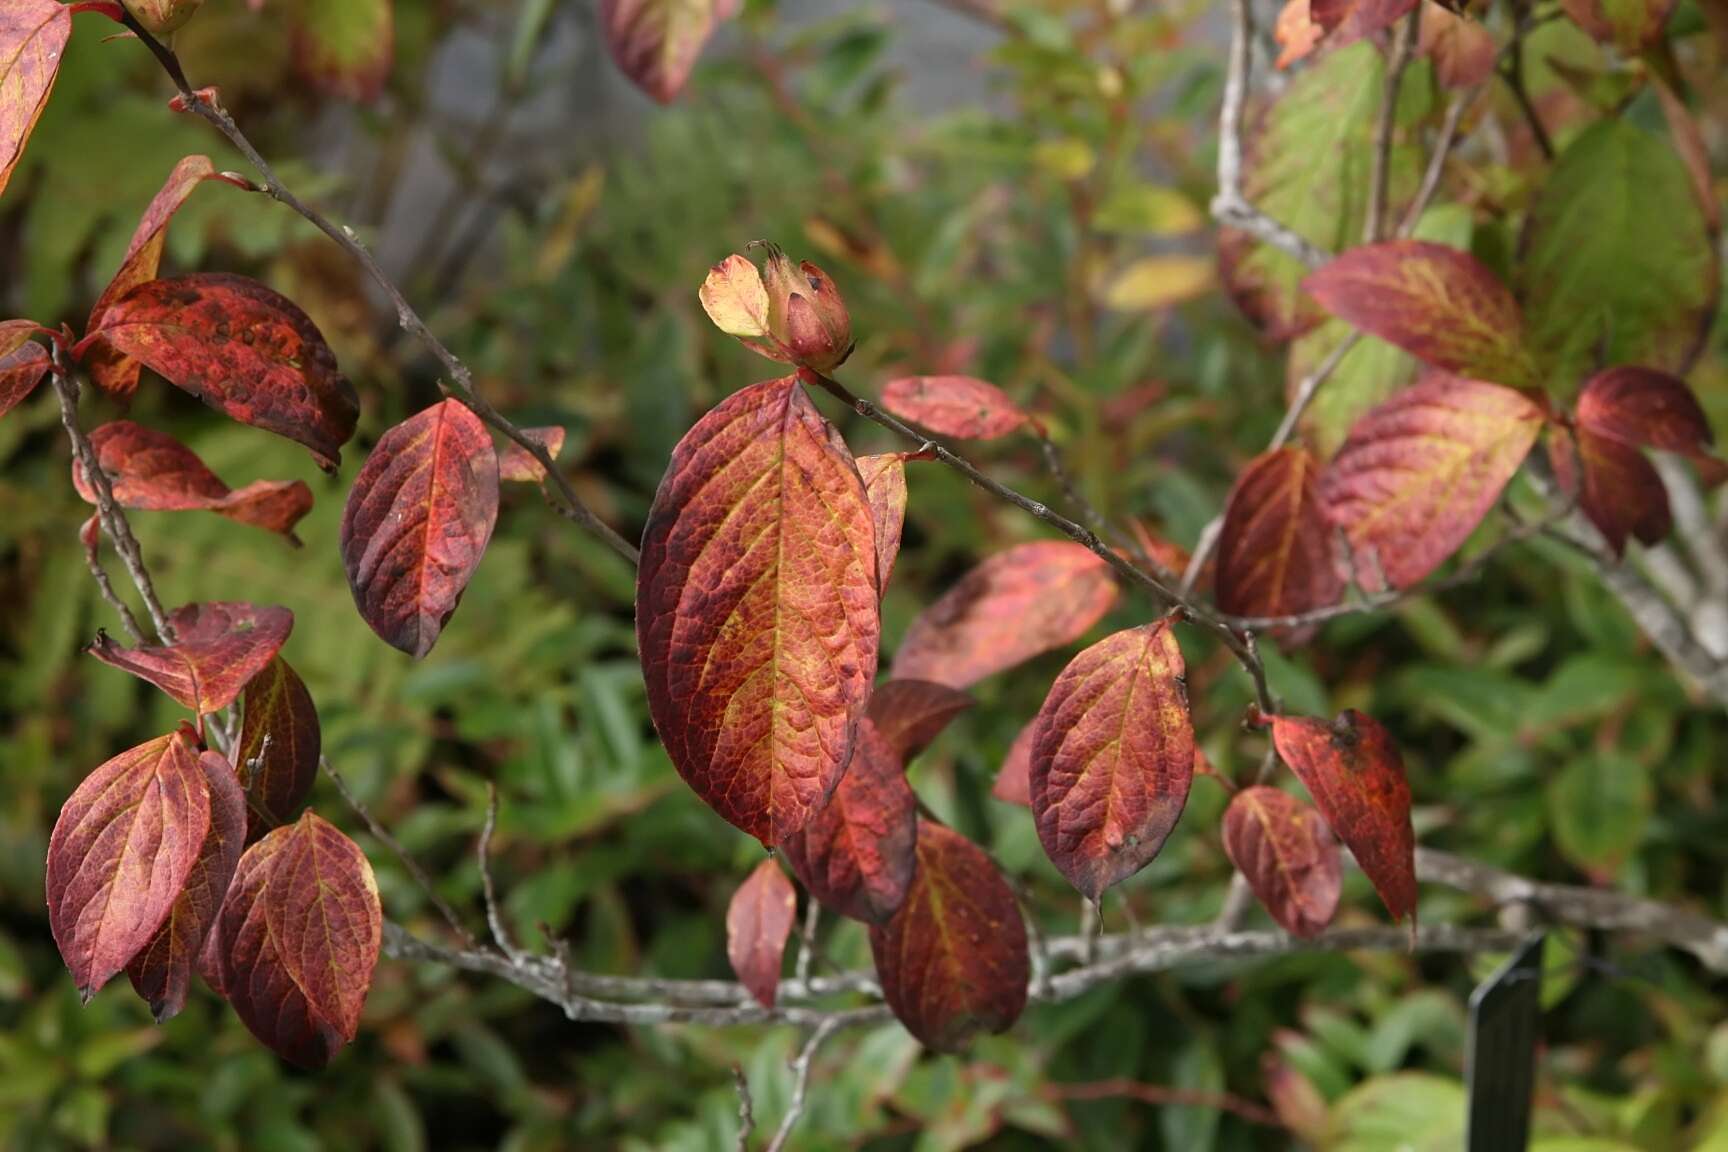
point(1500, 1054)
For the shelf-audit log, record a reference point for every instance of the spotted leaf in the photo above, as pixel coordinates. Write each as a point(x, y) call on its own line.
point(1288, 856)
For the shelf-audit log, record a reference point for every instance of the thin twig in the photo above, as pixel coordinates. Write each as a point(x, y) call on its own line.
point(1511, 70)
point(746, 1108)
point(483, 850)
point(807, 938)
point(801, 1082)
point(1385, 127)
point(1454, 119)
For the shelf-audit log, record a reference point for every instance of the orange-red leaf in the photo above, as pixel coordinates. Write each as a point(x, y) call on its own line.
point(1112, 757)
point(218, 648)
point(1014, 778)
point(960, 406)
point(33, 36)
point(855, 854)
point(1419, 472)
point(884, 479)
point(1275, 551)
point(516, 464)
point(121, 851)
point(418, 519)
point(245, 350)
point(656, 42)
point(910, 713)
point(1288, 856)
point(21, 369)
point(1013, 606)
point(278, 777)
point(953, 960)
point(756, 608)
point(1347, 21)
point(298, 940)
point(1440, 305)
point(1461, 49)
point(1295, 32)
point(758, 924)
point(1354, 772)
point(162, 971)
point(152, 470)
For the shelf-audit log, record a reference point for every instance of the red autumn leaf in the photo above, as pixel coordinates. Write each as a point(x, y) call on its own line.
point(756, 608)
point(417, 521)
point(1460, 48)
point(1419, 472)
point(218, 647)
point(1288, 856)
point(298, 939)
point(1275, 551)
point(1014, 778)
point(1013, 606)
point(959, 406)
point(1442, 306)
point(1354, 772)
point(758, 924)
point(152, 470)
point(855, 854)
point(884, 479)
point(1112, 757)
point(162, 971)
point(245, 350)
point(121, 851)
point(33, 36)
point(113, 371)
point(21, 369)
point(908, 714)
point(278, 777)
point(1347, 21)
point(1644, 406)
point(1620, 491)
point(656, 42)
point(953, 960)
point(516, 464)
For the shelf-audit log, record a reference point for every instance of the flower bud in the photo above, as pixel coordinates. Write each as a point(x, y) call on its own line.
point(160, 17)
point(787, 312)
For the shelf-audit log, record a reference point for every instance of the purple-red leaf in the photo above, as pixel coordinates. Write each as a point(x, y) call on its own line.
point(959, 406)
point(217, 649)
point(1112, 757)
point(1354, 772)
point(298, 939)
point(908, 714)
point(1461, 49)
point(1275, 551)
point(756, 608)
point(517, 465)
point(162, 972)
point(417, 521)
point(1645, 406)
point(758, 924)
point(855, 855)
point(21, 369)
point(1013, 606)
point(33, 36)
point(279, 775)
point(884, 479)
point(120, 854)
point(245, 350)
point(1617, 487)
point(953, 960)
point(1288, 856)
point(656, 42)
point(1014, 778)
point(1347, 21)
point(1419, 472)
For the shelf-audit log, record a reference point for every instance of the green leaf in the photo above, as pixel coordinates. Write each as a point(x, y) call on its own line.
point(1412, 1111)
point(345, 46)
point(1599, 807)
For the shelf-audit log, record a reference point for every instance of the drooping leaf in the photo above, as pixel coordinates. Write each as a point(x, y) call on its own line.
point(1112, 757)
point(161, 972)
point(298, 939)
point(1354, 772)
point(1630, 25)
point(960, 406)
point(152, 470)
point(884, 479)
point(1419, 472)
point(1275, 551)
point(218, 648)
point(278, 777)
point(908, 714)
point(855, 855)
point(1620, 490)
point(1013, 606)
point(1463, 51)
point(953, 960)
point(417, 521)
point(756, 608)
point(656, 42)
point(758, 924)
point(1644, 406)
point(345, 47)
point(1347, 21)
point(514, 463)
point(21, 369)
point(1014, 778)
point(1441, 305)
point(121, 851)
point(1288, 856)
point(33, 36)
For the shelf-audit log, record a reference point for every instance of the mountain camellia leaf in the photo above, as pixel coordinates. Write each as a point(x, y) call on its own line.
point(1010, 608)
point(152, 470)
point(279, 776)
point(161, 972)
point(1616, 485)
point(120, 854)
point(21, 369)
point(33, 35)
point(953, 960)
point(417, 522)
point(908, 714)
point(298, 939)
point(758, 924)
point(656, 42)
point(1275, 550)
point(218, 647)
point(1288, 856)
point(1439, 304)
point(1112, 757)
point(345, 47)
point(756, 608)
point(960, 406)
point(1352, 769)
point(1644, 406)
point(884, 479)
point(515, 464)
point(855, 856)
point(245, 350)
point(1419, 472)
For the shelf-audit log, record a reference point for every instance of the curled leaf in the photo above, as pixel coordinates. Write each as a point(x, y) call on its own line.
point(910, 713)
point(758, 924)
point(1644, 406)
point(1288, 856)
point(960, 406)
point(656, 42)
point(33, 35)
point(279, 774)
point(1275, 553)
point(218, 648)
point(884, 479)
point(516, 464)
